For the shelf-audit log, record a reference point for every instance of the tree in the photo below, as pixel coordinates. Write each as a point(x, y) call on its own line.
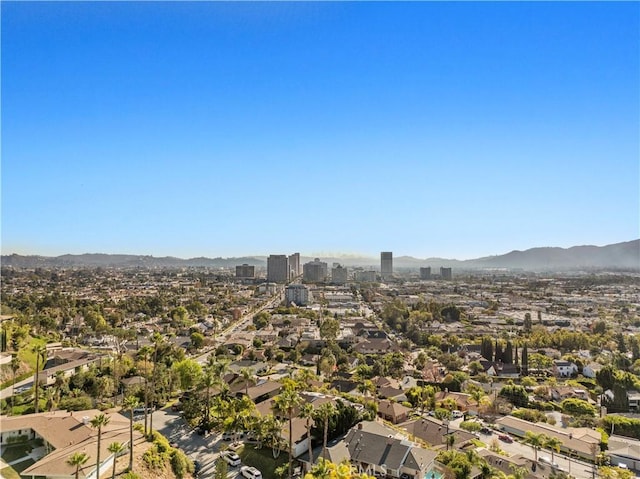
point(78, 460)
point(536, 441)
point(527, 322)
point(221, 468)
point(98, 422)
point(247, 375)
point(286, 402)
point(554, 444)
point(15, 366)
point(323, 413)
point(157, 339)
point(115, 448)
point(40, 351)
point(329, 329)
point(306, 412)
point(130, 403)
point(197, 340)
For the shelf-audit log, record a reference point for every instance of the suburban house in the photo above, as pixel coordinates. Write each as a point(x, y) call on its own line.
point(63, 434)
point(435, 432)
point(634, 400)
point(507, 464)
point(378, 450)
point(67, 362)
point(564, 369)
point(393, 411)
point(560, 393)
point(591, 369)
point(624, 450)
point(578, 441)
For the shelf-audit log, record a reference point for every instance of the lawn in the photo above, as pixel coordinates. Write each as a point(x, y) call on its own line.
point(262, 459)
point(9, 473)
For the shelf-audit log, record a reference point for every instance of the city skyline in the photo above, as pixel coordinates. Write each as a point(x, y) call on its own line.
point(453, 130)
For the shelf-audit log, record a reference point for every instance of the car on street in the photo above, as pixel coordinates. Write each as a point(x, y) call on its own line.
point(197, 467)
point(231, 458)
point(250, 472)
point(505, 438)
point(486, 431)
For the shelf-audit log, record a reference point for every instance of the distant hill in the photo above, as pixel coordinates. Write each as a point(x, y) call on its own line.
point(624, 256)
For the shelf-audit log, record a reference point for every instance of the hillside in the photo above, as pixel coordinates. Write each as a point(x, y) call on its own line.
point(617, 256)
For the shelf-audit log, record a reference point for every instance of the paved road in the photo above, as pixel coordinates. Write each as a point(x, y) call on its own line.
point(204, 449)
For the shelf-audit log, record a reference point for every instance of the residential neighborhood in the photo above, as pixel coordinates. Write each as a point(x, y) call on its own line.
point(478, 376)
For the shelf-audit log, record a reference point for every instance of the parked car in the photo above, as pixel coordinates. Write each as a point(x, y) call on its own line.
point(232, 458)
point(505, 438)
point(197, 466)
point(250, 472)
point(457, 414)
point(485, 430)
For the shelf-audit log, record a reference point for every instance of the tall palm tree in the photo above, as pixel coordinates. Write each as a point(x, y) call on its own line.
point(247, 375)
point(157, 339)
point(15, 365)
point(323, 413)
point(130, 403)
point(115, 448)
point(306, 412)
point(77, 460)
point(145, 353)
point(535, 441)
point(286, 402)
point(98, 422)
point(554, 444)
point(40, 351)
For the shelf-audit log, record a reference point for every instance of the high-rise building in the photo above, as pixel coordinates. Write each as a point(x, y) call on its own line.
point(425, 273)
point(366, 276)
point(278, 268)
point(298, 294)
point(386, 265)
point(339, 275)
point(445, 273)
point(315, 271)
point(245, 271)
point(294, 264)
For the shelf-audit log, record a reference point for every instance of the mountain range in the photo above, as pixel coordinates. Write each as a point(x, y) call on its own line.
point(619, 256)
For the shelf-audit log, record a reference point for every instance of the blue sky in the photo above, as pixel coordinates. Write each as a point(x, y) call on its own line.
point(222, 129)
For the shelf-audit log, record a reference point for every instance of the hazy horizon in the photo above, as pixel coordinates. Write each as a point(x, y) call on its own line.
point(336, 255)
point(430, 129)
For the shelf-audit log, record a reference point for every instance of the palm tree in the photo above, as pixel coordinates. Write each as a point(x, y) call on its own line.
point(145, 353)
point(554, 444)
point(77, 460)
point(286, 402)
point(323, 413)
point(98, 422)
point(40, 351)
point(157, 339)
point(306, 412)
point(50, 397)
point(15, 365)
point(535, 441)
point(247, 375)
point(115, 448)
point(130, 403)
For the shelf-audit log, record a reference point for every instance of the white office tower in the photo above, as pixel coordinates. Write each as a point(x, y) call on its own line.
point(278, 268)
point(386, 265)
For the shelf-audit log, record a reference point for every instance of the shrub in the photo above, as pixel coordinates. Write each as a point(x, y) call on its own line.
point(180, 463)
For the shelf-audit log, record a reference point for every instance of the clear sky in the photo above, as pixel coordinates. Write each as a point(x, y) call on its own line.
point(456, 129)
